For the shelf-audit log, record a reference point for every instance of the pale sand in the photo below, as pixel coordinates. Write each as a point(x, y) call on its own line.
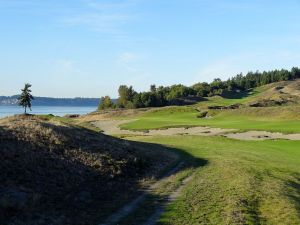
point(111, 127)
point(262, 135)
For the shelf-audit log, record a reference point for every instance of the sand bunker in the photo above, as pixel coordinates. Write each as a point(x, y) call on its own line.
point(262, 135)
point(111, 127)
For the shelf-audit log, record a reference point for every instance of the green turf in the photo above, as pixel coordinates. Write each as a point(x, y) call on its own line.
point(282, 119)
point(244, 182)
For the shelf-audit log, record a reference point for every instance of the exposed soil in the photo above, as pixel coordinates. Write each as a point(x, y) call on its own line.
point(152, 220)
point(133, 205)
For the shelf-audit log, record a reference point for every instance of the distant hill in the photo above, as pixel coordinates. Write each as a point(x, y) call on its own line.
point(46, 101)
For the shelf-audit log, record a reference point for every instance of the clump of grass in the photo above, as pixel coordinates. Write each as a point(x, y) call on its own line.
point(202, 114)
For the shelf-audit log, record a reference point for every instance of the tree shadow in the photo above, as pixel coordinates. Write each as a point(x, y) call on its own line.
point(190, 100)
point(81, 179)
point(237, 95)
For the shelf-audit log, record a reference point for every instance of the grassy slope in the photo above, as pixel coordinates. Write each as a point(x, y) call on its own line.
point(284, 119)
point(241, 98)
point(67, 173)
point(243, 182)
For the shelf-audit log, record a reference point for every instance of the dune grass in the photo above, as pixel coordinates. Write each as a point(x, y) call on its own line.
point(234, 98)
point(243, 182)
point(280, 119)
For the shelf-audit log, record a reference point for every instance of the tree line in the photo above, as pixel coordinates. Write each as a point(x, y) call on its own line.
point(163, 96)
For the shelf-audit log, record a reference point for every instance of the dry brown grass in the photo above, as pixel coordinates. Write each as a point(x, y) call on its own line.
point(112, 114)
point(280, 93)
point(68, 174)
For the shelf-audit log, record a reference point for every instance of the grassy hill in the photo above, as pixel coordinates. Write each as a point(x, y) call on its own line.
point(279, 111)
point(243, 182)
point(64, 171)
point(53, 172)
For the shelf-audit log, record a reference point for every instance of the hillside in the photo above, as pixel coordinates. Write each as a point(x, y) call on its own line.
point(280, 93)
point(274, 107)
point(56, 173)
point(249, 141)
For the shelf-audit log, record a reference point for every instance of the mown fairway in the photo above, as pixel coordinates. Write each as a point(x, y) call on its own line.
point(244, 182)
point(281, 119)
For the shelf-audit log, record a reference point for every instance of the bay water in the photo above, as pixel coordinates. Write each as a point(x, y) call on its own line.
point(44, 110)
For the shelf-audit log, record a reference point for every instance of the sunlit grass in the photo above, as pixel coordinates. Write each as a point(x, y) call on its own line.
point(281, 119)
point(244, 182)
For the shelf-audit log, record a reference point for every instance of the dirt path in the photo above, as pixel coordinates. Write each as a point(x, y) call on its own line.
point(132, 206)
point(111, 127)
point(160, 210)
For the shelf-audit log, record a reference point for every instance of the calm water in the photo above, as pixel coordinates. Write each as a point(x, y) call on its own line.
point(55, 110)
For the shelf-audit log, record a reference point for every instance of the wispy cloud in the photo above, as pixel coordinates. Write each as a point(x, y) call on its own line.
point(63, 67)
point(127, 57)
point(102, 16)
point(128, 61)
point(100, 22)
point(66, 65)
point(111, 4)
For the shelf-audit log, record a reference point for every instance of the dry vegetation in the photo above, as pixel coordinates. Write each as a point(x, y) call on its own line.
point(112, 114)
point(55, 173)
point(280, 93)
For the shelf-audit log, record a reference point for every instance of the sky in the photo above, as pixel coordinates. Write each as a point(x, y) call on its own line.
point(87, 48)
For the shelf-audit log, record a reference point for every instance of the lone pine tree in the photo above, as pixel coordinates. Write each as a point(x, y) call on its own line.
point(26, 97)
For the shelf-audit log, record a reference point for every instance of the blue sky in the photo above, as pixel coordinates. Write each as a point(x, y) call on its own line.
point(89, 47)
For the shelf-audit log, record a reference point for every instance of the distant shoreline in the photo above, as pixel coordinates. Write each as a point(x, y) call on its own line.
point(10, 110)
point(48, 101)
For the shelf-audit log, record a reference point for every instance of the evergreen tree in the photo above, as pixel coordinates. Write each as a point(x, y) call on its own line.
point(26, 97)
point(162, 96)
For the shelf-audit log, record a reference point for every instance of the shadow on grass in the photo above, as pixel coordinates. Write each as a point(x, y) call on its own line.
point(81, 180)
point(147, 207)
point(294, 193)
point(237, 95)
